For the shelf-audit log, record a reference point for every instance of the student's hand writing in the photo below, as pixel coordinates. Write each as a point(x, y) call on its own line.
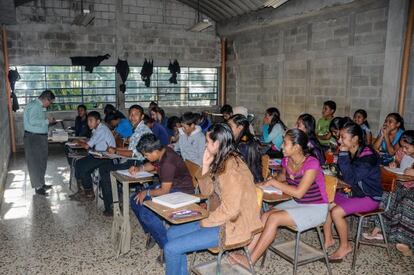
point(139, 198)
point(133, 170)
point(393, 165)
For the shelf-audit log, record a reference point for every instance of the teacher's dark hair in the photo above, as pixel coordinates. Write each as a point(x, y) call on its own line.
point(47, 95)
point(222, 133)
point(148, 144)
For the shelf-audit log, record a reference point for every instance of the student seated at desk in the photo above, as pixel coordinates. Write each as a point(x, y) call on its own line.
point(306, 123)
point(81, 123)
point(273, 130)
point(359, 165)
point(173, 124)
point(234, 213)
point(101, 140)
point(303, 179)
point(191, 142)
point(322, 126)
point(121, 125)
point(247, 144)
point(136, 115)
point(174, 177)
point(109, 108)
point(157, 129)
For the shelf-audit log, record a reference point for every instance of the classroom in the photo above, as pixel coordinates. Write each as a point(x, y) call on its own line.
point(206, 137)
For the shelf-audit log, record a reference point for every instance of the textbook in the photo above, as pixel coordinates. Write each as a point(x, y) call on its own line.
point(176, 200)
point(138, 175)
point(271, 190)
point(398, 171)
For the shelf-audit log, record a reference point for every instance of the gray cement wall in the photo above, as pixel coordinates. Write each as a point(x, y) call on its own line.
point(296, 63)
point(4, 122)
point(135, 29)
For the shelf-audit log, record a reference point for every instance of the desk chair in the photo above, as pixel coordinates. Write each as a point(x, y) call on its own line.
point(289, 250)
point(198, 269)
point(389, 184)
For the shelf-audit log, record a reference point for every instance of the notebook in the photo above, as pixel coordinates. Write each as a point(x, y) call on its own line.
point(271, 190)
point(398, 171)
point(176, 200)
point(138, 175)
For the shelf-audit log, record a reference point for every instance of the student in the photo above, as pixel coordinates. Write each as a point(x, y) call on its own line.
point(174, 177)
point(234, 213)
point(109, 108)
point(247, 144)
point(204, 122)
point(337, 123)
point(81, 123)
point(174, 123)
point(360, 118)
point(360, 168)
point(322, 127)
point(157, 129)
point(302, 178)
point(158, 114)
point(306, 123)
point(399, 218)
point(191, 142)
point(101, 140)
point(150, 106)
point(273, 130)
point(122, 127)
point(227, 111)
point(136, 115)
point(387, 140)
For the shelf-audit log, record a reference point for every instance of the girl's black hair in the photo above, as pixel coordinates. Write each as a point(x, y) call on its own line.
point(274, 112)
point(408, 137)
point(338, 123)
point(254, 158)
point(310, 125)
point(109, 108)
point(364, 114)
point(157, 109)
point(355, 130)
point(299, 137)
point(222, 133)
point(172, 121)
point(397, 118)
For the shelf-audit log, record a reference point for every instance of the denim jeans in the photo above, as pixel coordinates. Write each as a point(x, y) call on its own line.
point(186, 238)
point(149, 220)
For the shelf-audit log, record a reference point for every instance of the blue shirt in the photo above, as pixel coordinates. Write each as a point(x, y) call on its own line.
point(124, 128)
point(102, 138)
point(275, 136)
point(34, 118)
point(161, 133)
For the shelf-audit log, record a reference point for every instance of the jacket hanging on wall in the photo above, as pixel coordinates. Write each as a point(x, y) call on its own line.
point(122, 68)
point(174, 68)
point(13, 77)
point(146, 71)
point(89, 61)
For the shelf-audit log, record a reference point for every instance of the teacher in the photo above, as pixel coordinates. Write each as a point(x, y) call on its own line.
point(35, 140)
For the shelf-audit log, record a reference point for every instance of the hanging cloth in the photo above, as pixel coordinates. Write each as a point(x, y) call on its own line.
point(122, 68)
point(174, 68)
point(89, 61)
point(146, 71)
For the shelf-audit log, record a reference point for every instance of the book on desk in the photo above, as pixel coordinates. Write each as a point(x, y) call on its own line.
point(176, 200)
point(139, 175)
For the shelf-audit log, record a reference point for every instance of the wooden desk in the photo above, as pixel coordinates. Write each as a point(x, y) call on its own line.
point(271, 198)
point(165, 212)
point(121, 226)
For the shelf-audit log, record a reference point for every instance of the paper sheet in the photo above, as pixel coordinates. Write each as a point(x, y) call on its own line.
point(138, 175)
point(271, 190)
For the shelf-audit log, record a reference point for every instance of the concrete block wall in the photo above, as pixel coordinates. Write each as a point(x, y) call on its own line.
point(132, 29)
point(4, 122)
point(299, 62)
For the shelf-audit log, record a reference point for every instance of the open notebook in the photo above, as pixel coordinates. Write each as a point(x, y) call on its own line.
point(138, 175)
point(398, 171)
point(176, 199)
point(271, 190)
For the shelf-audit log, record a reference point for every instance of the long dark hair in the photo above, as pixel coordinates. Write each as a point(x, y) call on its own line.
point(253, 152)
point(364, 114)
point(397, 118)
point(274, 112)
point(310, 125)
point(408, 137)
point(300, 138)
point(355, 130)
point(222, 133)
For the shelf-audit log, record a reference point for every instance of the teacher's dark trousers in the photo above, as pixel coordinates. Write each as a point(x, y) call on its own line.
point(36, 152)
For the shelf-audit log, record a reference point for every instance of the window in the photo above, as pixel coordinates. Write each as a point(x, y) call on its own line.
point(71, 85)
point(195, 87)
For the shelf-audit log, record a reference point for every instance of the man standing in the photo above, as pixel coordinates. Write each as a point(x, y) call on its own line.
point(35, 139)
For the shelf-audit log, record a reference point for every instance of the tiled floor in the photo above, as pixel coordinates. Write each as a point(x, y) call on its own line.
point(57, 236)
